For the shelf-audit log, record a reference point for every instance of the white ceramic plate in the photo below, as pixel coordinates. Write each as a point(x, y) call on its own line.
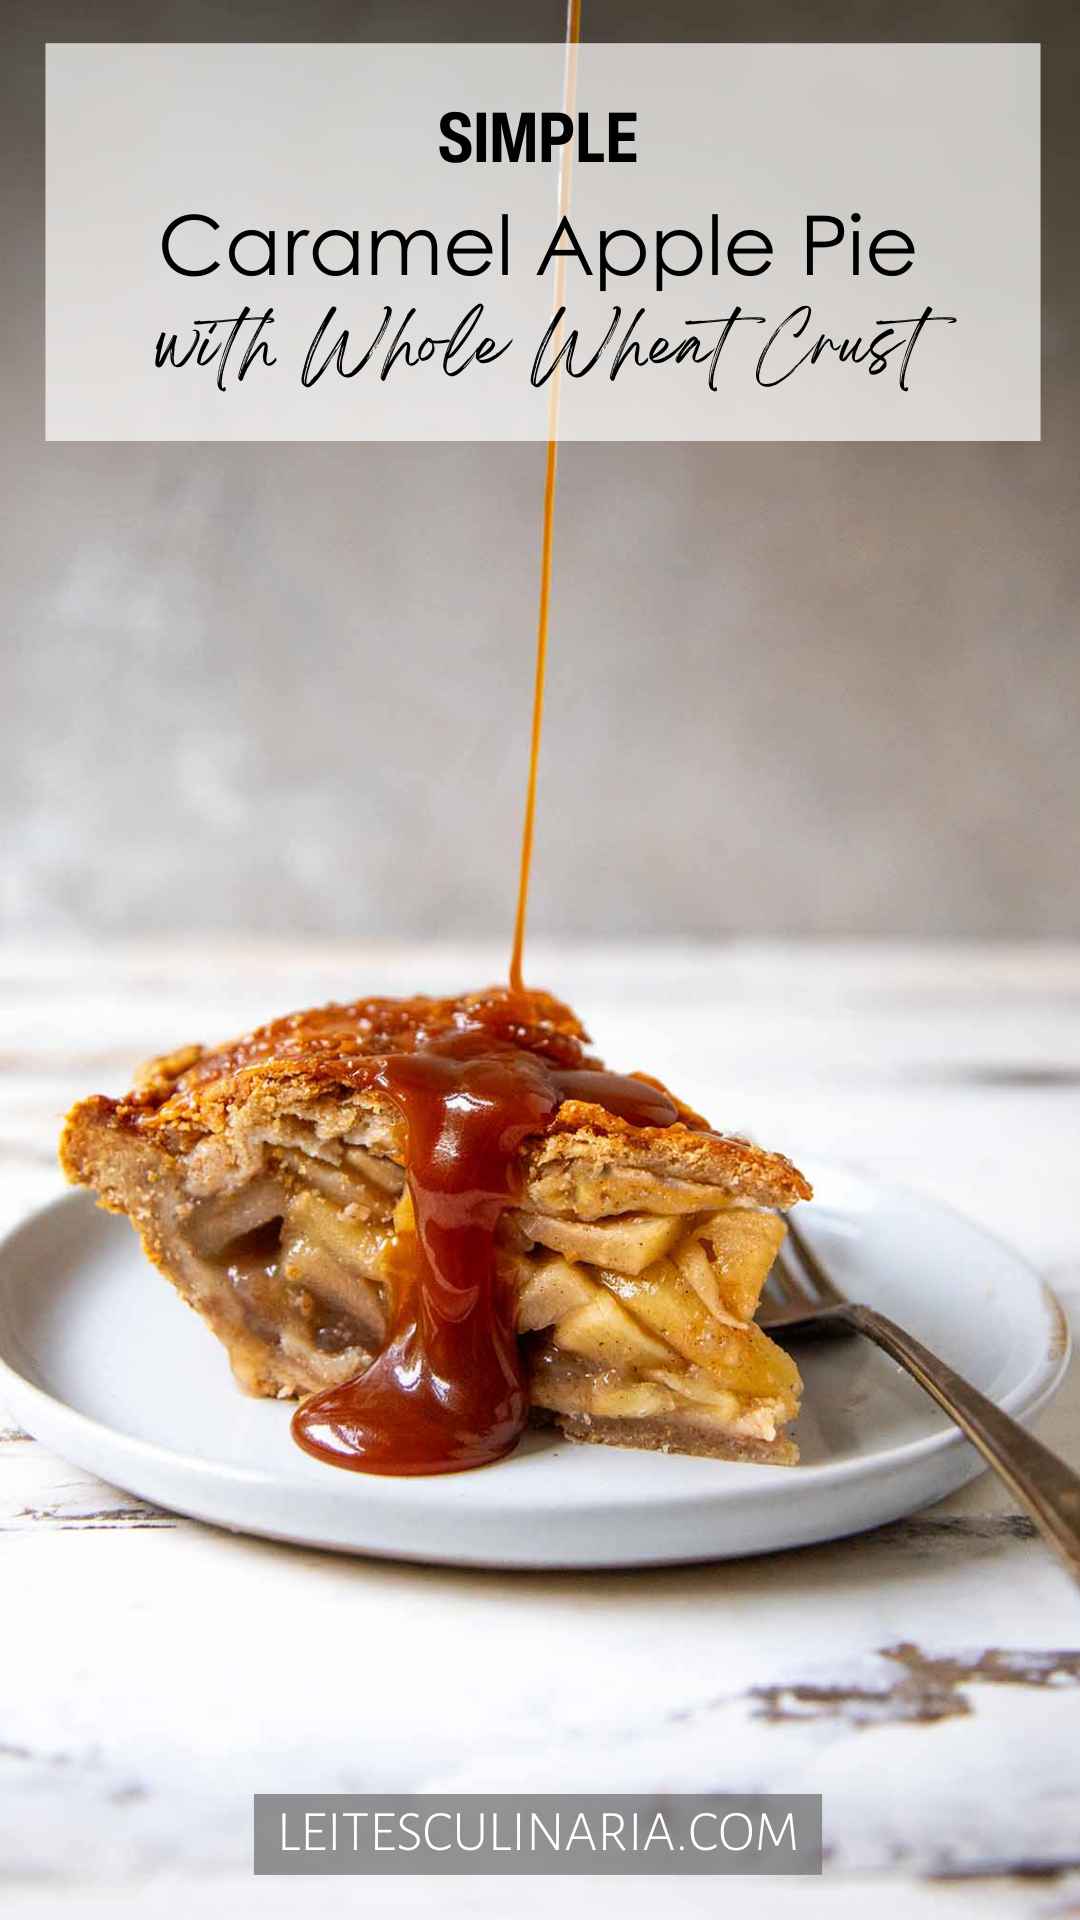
point(102, 1362)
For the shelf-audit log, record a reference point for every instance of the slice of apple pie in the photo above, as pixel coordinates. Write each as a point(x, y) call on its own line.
point(434, 1219)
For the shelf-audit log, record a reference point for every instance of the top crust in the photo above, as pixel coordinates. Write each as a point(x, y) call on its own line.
point(743, 1171)
point(311, 1070)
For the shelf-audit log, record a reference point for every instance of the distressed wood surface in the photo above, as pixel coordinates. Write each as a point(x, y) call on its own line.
point(924, 1678)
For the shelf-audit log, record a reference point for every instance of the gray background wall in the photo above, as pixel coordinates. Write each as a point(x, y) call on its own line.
point(819, 689)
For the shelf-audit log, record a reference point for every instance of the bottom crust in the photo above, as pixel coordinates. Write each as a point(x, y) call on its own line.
point(668, 1436)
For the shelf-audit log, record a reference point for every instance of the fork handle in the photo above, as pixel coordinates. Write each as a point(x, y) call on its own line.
point(1043, 1484)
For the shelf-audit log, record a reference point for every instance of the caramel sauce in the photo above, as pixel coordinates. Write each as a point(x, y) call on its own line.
point(448, 1390)
point(473, 1081)
point(547, 536)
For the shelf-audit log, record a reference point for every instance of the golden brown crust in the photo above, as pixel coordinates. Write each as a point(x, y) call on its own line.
point(315, 1068)
point(586, 1133)
point(657, 1435)
point(333, 1045)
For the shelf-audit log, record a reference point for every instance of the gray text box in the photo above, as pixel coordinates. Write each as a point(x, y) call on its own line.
point(509, 1833)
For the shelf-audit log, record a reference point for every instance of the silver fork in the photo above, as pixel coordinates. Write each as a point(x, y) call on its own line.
point(803, 1300)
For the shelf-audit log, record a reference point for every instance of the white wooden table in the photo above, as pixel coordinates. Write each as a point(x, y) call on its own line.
point(925, 1679)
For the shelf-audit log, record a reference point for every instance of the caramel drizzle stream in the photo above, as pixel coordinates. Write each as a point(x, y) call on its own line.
point(573, 36)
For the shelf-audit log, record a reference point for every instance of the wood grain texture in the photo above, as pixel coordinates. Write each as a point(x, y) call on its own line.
point(925, 1678)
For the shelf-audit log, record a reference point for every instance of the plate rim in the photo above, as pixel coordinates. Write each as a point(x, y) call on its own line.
point(1023, 1401)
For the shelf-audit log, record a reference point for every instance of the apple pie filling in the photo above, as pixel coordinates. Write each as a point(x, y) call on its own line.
point(643, 1316)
